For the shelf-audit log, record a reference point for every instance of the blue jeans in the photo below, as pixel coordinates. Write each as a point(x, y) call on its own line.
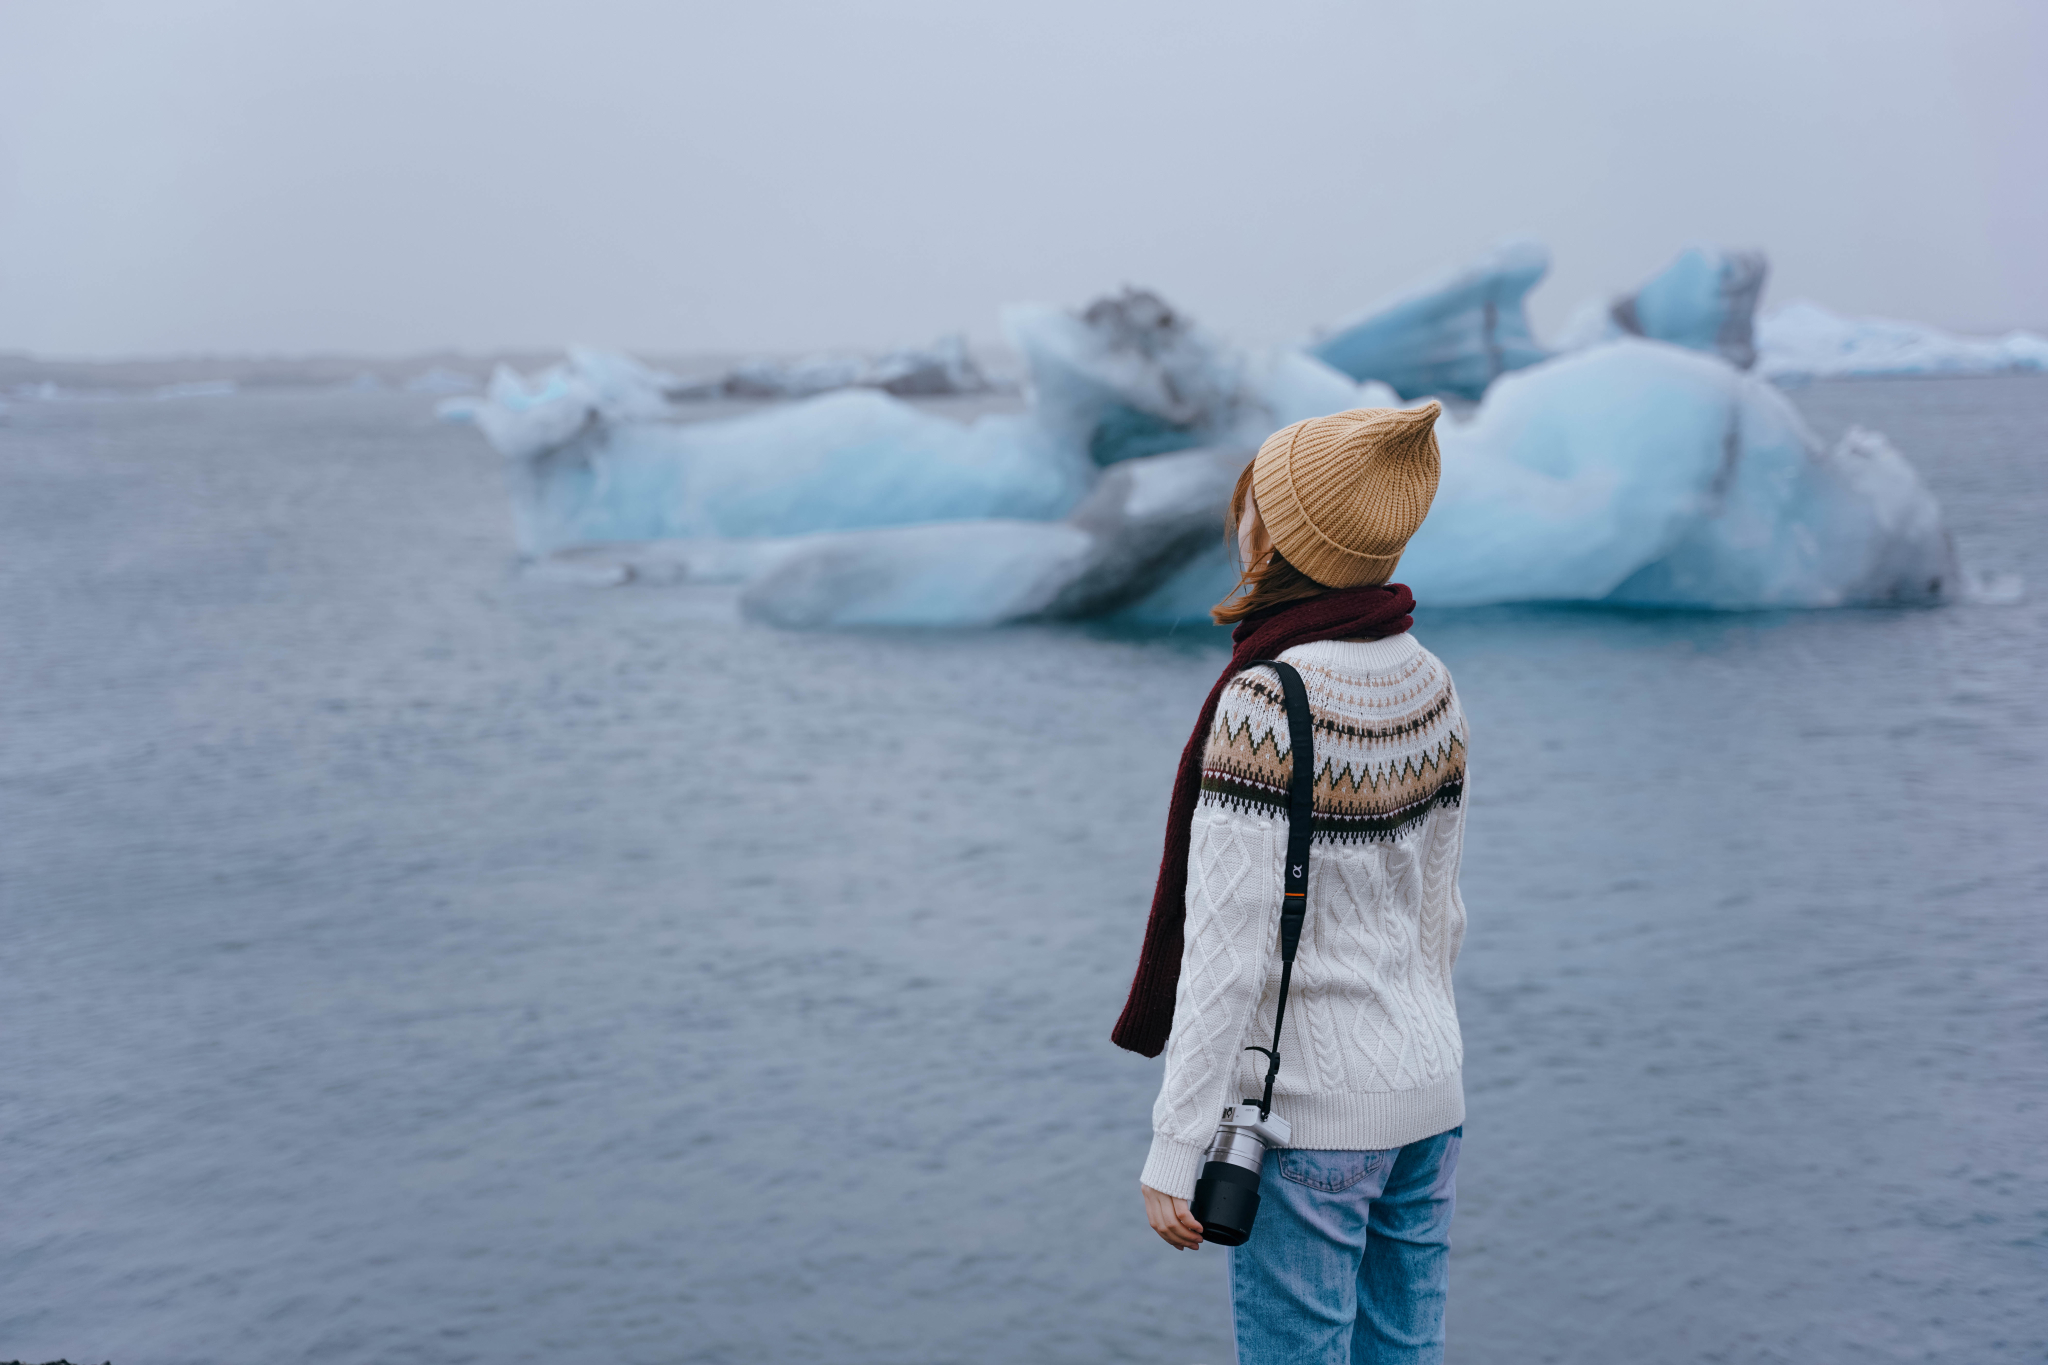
point(1348, 1260)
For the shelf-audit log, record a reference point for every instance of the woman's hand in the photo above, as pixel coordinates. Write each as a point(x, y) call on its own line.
point(1170, 1218)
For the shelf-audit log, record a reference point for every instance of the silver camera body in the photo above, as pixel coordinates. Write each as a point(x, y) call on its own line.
point(1227, 1196)
point(1243, 1138)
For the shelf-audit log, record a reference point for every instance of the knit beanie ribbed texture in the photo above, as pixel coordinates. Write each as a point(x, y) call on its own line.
point(1341, 495)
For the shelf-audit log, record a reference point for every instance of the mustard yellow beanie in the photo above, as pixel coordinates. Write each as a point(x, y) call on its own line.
point(1341, 495)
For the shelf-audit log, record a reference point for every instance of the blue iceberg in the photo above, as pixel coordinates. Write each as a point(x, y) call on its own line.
point(1705, 301)
point(1640, 473)
point(1138, 528)
point(598, 457)
point(1130, 377)
point(1126, 378)
point(856, 458)
point(1634, 473)
point(1631, 471)
point(1452, 337)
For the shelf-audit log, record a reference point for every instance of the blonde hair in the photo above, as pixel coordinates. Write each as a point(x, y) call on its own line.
point(1260, 587)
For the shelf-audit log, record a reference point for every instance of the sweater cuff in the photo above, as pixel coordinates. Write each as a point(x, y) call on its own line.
point(1172, 1166)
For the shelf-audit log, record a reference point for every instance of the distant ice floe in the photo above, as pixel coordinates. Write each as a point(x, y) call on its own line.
point(944, 367)
point(1805, 341)
point(1632, 470)
point(1705, 301)
point(1453, 336)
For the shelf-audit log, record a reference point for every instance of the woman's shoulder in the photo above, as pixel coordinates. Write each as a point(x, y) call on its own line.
point(1378, 689)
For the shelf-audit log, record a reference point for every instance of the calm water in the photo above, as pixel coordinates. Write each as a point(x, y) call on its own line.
point(405, 962)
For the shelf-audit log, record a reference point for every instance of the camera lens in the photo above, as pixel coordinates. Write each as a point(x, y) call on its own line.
point(1225, 1203)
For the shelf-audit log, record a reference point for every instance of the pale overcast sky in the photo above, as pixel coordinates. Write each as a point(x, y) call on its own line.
point(262, 175)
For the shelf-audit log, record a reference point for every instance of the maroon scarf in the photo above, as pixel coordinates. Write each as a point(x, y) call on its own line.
point(1370, 613)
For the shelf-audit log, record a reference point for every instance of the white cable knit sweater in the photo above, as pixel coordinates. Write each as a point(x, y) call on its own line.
point(1370, 1056)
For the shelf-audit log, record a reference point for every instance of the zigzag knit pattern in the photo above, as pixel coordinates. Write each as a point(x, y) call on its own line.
point(1389, 749)
point(1371, 1053)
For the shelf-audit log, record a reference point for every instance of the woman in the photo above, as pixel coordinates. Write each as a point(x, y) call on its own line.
point(1347, 1259)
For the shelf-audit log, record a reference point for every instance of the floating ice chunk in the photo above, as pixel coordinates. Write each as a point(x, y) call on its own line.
point(1454, 336)
point(1640, 473)
point(1636, 472)
point(597, 464)
point(1805, 341)
point(1799, 524)
point(976, 573)
point(1705, 300)
point(1130, 377)
point(526, 419)
point(622, 389)
point(1146, 518)
point(1127, 377)
point(463, 407)
point(852, 459)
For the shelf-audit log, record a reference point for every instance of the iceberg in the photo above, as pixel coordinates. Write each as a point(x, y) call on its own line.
point(1452, 337)
point(1632, 471)
point(1705, 301)
point(598, 456)
point(1140, 525)
point(856, 458)
point(1636, 473)
point(525, 420)
point(1129, 377)
point(1805, 341)
point(1640, 473)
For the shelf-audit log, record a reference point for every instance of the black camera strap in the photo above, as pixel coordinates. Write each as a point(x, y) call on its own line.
point(1301, 819)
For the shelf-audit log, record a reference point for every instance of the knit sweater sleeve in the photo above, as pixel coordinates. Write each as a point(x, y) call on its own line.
point(1233, 911)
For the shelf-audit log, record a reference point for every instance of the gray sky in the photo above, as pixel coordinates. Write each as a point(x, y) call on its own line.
point(250, 176)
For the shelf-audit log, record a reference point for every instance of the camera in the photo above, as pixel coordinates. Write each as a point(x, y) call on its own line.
point(1227, 1196)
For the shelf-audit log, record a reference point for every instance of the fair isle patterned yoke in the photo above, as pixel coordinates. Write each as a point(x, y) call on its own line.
point(1390, 747)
